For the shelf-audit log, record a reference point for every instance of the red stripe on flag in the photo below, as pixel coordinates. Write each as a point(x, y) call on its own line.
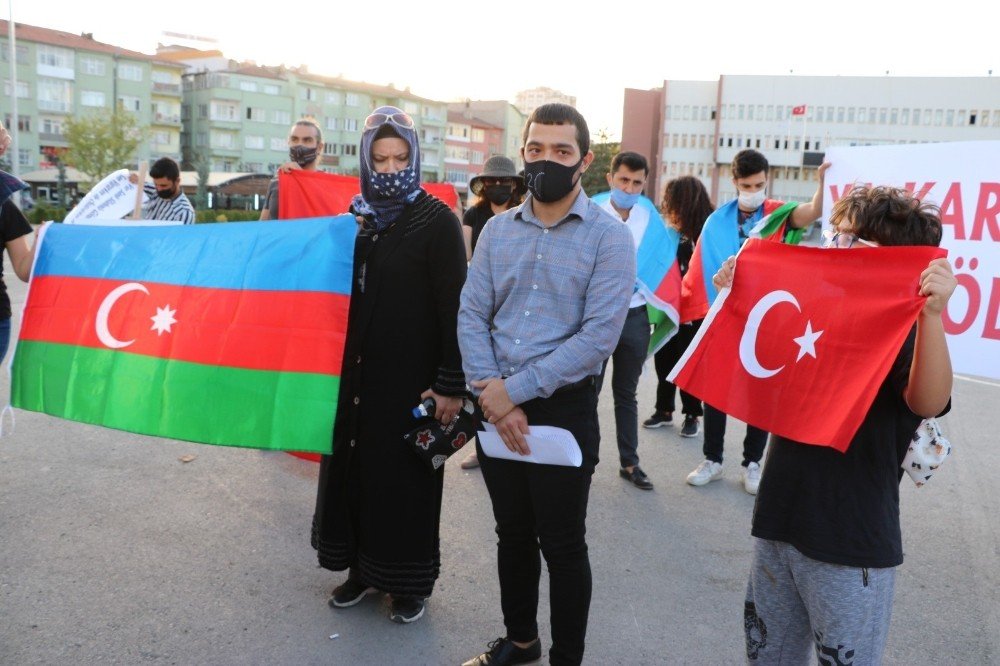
point(263, 330)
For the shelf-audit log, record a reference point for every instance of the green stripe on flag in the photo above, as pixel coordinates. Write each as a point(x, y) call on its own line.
point(177, 399)
point(663, 329)
point(778, 217)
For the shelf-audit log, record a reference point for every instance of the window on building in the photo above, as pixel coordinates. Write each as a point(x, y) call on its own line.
point(332, 97)
point(253, 142)
point(23, 91)
point(863, 115)
point(829, 114)
point(840, 114)
point(331, 123)
point(128, 71)
point(248, 86)
point(817, 145)
point(23, 155)
point(93, 66)
point(21, 56)
point(984, 120)
point(256, 114)
point(350, 124)
point(54, 56)
point(478, 135)
point(225, 140)
point(740, 112)
point(271, 89)
point(713, 113)
point(669, 113)
point(349, 149)
point(23, 123)
point(770, 112)
point(972, 118)
point(928, 117)
point(52, 126)
point(894, 116)
point(729, 142)
point(203, 110)
point(92, 98)
point(777, 144)
point(161, 138)
point(281, 117)
point(915, 118)
point(277, 143)
point(308, 94)
point(55, 95)
point(938, 116)
point(353, 99)
point(850, 114)
point(161, 76)
point(226, 111)
point(129, 103)
point(950, 118)
point(883, 116)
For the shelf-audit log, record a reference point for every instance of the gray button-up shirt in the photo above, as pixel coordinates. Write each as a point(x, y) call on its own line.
point(544, 306)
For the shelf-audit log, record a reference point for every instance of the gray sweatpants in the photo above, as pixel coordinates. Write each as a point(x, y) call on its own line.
point(796, 605)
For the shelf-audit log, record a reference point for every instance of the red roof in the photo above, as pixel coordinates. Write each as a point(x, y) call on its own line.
point(32, 33)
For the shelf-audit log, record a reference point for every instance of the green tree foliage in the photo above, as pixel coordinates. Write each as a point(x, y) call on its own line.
point(102, 142)
point(202, 167)
point(594, 180)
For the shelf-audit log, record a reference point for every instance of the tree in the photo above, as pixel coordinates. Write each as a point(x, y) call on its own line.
point(202, 165)
point(102, 142)
point(594, 180)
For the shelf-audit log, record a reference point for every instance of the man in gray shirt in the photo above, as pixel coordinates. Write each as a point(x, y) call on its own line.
point(542, 308)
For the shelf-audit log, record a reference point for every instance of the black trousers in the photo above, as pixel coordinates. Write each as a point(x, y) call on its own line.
point(543, 508)
point(664, 360)
point(715, 431)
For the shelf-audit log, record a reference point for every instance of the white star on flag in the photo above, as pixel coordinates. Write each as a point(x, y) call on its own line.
point(163, 320)
point(807, 342)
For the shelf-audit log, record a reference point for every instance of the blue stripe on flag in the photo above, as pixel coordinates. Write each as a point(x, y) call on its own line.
point(297, 255)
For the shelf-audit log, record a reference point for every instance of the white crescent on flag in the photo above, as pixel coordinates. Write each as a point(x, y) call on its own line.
point(748, 341)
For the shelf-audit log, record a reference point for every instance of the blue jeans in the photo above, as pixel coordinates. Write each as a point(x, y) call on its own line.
point(4, 336)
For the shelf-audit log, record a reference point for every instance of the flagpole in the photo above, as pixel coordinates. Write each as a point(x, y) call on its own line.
point(15, 154)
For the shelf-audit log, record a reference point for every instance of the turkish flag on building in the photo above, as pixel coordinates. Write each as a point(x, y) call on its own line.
point(801, 342)
point(799, 110)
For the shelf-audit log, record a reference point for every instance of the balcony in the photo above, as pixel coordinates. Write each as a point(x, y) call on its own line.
point(172, 88)
point(167, 118)
point(50, 137)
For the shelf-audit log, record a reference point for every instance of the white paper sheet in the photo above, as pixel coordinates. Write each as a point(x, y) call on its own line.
point(549, 446)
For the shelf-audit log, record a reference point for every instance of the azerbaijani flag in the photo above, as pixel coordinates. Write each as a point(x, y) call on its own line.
point(658, 277)
point(720, 240)
point(226, 334)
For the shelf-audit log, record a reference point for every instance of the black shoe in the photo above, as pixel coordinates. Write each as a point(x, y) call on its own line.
point(350, 593)
point(658, 420)
point(637, 477)
point(690, 427)
point(406, 609)
point(502, 652)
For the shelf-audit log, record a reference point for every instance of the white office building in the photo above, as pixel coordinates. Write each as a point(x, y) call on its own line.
point(696, 127)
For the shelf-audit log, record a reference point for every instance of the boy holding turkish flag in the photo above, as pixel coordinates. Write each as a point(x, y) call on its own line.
point(827, 523)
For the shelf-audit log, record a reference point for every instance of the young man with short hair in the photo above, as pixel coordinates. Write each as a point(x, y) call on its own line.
point(626, 179)
point(165, 201)
point(725, 231)
point(542, 308)
point(305, 150)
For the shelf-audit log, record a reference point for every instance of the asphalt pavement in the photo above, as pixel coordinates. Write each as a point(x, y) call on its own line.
point(114, 550)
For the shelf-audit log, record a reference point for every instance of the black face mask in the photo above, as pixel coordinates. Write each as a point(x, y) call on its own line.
point(550, 181)
point(166, 194)
point(302, 155)
point(498, 194)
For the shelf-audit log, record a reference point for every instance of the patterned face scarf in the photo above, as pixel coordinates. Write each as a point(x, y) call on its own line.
point(384, 195)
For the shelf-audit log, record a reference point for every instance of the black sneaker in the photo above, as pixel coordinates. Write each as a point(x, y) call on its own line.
point(502, 652)
point(691, 428)
point(659, 420)
point(350, 593)
point(406, 609)
point(637, 477)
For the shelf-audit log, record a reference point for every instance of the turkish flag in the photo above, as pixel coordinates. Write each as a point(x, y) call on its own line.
point(799, 110)
point(801, 342)
point(317, 194)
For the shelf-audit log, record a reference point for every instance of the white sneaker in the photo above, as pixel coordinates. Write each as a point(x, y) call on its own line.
point(705, 472)
point(751, 478)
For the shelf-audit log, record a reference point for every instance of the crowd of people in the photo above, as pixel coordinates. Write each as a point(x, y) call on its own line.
point(519, 307)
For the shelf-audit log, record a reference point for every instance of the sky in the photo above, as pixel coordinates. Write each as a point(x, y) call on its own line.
point(451, 49)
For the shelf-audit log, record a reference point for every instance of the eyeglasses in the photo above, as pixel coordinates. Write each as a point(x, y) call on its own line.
point(843, 240)
point(398, 119)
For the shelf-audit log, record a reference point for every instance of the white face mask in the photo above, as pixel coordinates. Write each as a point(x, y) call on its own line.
point(752, 200)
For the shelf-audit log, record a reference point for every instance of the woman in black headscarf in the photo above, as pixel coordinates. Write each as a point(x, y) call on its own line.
point(378, 508)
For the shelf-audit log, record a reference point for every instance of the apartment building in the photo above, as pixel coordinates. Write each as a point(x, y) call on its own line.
point(468, 143)
point(61, 75)
point(237, 116)
point(527, 101)
point(696, 127)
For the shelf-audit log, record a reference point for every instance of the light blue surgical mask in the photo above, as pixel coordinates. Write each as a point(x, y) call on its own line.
point(623, 199)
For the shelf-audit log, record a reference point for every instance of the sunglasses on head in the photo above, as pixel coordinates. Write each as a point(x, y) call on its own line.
point(398, 119)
